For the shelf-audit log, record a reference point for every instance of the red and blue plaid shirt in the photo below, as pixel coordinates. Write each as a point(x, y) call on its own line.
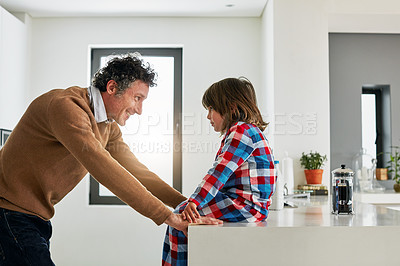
point(243, 170)
point(236, 189)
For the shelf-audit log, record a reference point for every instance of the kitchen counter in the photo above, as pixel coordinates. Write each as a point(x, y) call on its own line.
point(387, 197)
point(306, 235)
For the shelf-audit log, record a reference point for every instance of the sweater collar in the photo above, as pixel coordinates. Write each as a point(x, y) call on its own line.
point(96, 101)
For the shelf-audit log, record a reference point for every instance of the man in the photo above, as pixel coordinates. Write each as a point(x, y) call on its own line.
point(63, 135)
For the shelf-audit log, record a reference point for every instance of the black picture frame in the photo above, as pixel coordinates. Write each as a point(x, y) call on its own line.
point(4, 134)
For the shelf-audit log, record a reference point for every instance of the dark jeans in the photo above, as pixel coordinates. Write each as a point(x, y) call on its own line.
point(24, 239)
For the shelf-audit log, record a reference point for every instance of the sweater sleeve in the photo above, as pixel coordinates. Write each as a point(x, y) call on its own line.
point(71, 125)
point(121, 152)
point(237, 148)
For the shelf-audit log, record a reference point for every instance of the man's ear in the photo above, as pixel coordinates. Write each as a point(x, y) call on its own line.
point(112, 87)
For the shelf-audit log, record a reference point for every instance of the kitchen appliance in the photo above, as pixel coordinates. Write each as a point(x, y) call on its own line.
point(342, 190)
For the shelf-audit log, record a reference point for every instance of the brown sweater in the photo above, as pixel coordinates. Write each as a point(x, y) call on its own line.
point(54, 145)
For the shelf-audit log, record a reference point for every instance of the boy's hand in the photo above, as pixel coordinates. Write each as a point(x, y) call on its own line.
point(190, 213)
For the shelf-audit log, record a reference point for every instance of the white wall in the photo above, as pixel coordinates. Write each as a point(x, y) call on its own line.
point(266, 97)
point(214, 48)
point(13, 68)
point(298, 49)
point(298, 79)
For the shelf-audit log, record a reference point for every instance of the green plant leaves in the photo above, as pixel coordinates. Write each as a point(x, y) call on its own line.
point(394, 164)
point(312, 160)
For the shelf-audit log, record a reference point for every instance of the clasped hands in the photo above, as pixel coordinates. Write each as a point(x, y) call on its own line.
point(190, 213)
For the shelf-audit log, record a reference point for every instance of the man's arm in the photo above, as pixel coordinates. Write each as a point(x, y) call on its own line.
point(120, 151)
point(71, 124)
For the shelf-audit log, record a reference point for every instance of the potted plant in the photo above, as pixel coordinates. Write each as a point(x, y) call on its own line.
point(313, 163)
point(394, 167)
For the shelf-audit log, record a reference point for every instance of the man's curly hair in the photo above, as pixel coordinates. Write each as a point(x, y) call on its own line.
point(124, 69)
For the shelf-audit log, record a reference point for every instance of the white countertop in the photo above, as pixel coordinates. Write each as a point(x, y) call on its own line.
point(307, 235)
point(317, 212)
point(387, 197)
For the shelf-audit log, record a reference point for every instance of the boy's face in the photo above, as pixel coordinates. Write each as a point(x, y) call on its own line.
point(216, 119)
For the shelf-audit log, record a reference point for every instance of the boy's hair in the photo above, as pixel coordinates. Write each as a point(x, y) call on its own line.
point(235, 100)
point(124, 69)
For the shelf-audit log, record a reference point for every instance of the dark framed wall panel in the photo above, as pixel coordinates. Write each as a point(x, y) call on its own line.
point(4, 134)
point(176, 52)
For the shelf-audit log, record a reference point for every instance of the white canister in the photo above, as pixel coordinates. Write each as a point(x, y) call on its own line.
point(287, 171)
point(277, 198)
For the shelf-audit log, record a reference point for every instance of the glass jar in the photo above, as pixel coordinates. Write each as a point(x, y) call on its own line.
point(363, 166)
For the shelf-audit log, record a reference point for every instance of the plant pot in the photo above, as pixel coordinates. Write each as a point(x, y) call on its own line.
point(314, 176)
point(381, 173)
point(396, 187)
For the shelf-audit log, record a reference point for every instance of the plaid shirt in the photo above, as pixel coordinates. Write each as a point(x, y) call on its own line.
point(243, 170)
point(236, 189)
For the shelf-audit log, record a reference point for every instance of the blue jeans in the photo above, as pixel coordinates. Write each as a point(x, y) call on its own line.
point(24, 239)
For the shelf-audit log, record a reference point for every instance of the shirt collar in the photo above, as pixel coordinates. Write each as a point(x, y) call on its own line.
point(96, 101)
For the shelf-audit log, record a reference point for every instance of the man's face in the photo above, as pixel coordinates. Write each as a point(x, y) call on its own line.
point(121, 107)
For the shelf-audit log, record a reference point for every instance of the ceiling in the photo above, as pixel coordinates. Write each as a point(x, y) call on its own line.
point(79, 8)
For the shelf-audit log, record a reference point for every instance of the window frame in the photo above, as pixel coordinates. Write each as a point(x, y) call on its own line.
point(383, 121)
point(4, 134)
point(177, 52)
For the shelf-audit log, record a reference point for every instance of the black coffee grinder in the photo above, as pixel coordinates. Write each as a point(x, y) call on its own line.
point(342, 190)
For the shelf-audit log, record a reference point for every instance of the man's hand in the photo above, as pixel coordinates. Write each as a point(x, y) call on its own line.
point(190, 212)
point(176, 221)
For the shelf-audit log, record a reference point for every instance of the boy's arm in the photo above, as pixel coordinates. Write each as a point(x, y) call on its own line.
point(237, 149)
